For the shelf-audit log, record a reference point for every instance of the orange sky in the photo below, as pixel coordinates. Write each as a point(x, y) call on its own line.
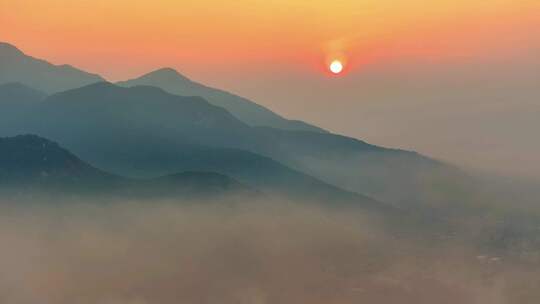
point(456, 79)
point(120, 38)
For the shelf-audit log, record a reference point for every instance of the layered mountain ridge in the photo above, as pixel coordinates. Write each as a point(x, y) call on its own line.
point(40, 74)
point(245, 110)
point(157, 125)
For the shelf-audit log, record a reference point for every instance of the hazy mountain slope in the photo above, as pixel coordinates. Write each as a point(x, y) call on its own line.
point(179, 123)
point(242, 108)
point(260, 172)
point(17, 93)
point(147, 132)
point(107, 111)
point(15, 99)
point(391, 175)
point(39, 74)
point(388, 174)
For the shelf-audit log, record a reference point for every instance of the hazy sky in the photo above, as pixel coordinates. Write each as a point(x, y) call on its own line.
point(455, 79)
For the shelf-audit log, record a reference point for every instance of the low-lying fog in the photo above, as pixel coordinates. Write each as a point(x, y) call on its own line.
point(249, 253)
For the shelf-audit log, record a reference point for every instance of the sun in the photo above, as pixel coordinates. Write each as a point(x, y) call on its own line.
point(336, 67)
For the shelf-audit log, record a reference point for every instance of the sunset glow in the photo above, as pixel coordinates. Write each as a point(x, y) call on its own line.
point(278, 151)
point(203, 36)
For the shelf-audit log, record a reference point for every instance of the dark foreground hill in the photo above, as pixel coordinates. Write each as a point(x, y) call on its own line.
point(29, 159)
point(31, 165)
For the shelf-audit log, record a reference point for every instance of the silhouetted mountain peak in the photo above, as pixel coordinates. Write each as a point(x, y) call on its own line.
point(6, 48)
point(245, 110)
point(166, 74)
point(16, 66)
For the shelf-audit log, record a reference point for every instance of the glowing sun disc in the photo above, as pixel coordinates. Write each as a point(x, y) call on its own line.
point(336, 67)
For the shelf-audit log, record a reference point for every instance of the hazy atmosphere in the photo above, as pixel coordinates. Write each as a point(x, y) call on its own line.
point(259, 152)
point(451, 79)
point(131, 253)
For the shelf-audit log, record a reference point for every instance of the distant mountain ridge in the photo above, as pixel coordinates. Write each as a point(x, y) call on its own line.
point(40, 74)
point(245, 110)
point(146, 131)
point(31, 165)
point(17, 67)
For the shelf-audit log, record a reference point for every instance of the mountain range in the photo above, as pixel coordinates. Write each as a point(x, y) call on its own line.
point(31, 165)
point(245, 110)
point(163, 123)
